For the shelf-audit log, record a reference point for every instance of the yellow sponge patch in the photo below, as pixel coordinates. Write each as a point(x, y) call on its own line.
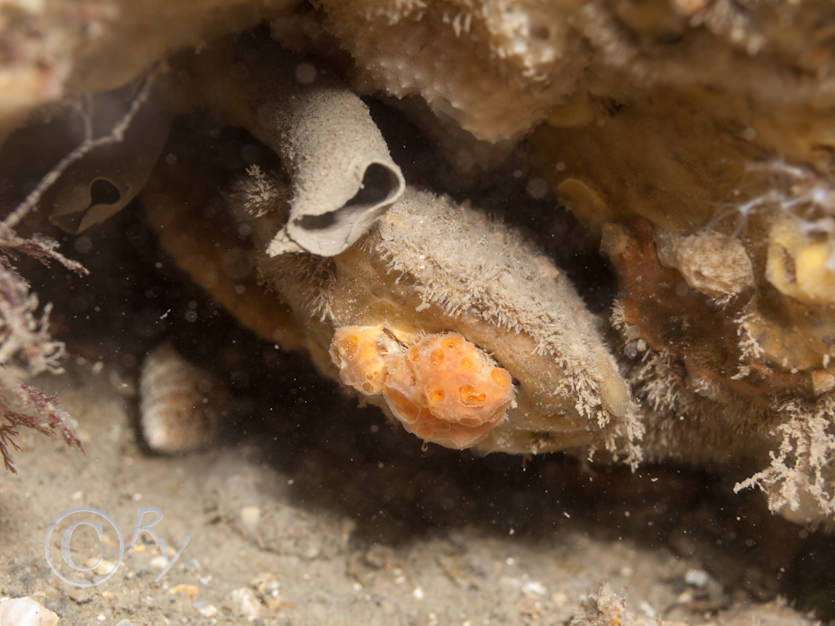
point(800, 263)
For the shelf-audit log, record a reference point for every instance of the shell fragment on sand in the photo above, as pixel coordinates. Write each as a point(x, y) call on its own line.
point(25, 612)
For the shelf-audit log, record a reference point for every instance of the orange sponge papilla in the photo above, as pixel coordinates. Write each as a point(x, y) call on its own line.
point(441, 387)
point(358, 352)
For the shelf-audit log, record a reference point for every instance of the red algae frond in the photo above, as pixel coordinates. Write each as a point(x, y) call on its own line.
point(440, 387)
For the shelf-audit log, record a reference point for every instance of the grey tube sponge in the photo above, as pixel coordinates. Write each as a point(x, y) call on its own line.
point(343, 177)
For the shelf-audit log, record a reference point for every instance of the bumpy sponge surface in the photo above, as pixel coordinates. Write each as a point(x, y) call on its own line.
point(358, 353)
point(440, 387)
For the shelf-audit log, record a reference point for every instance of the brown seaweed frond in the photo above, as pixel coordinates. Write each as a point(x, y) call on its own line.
point(26, 349)
point(26, 346)
point(38, 411)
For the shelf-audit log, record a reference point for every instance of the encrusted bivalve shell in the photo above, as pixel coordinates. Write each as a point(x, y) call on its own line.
point(430, 267)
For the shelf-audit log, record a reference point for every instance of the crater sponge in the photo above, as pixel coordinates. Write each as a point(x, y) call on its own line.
point(440, 387)
point(358, 352)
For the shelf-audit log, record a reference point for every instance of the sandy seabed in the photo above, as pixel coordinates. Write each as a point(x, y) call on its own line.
point(317, 512)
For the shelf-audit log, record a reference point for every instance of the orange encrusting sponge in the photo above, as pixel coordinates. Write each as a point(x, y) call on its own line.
point(358, 355)
point(441, 387)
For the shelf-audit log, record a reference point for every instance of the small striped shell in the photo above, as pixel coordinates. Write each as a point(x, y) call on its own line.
point(181, 405)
